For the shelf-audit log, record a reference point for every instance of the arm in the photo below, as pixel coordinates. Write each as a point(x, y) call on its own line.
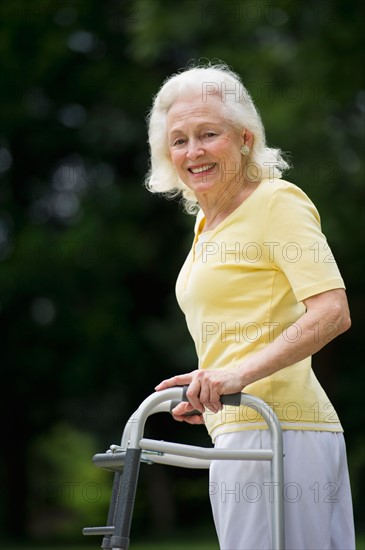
point(327, 316)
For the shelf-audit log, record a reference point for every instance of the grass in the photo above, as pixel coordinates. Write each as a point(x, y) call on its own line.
point(171, 545)
point(153, 545)
point(176, 545)
point(179, 542)
point(193, 540)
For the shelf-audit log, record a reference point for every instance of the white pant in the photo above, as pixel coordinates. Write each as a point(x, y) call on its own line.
point(317, 494)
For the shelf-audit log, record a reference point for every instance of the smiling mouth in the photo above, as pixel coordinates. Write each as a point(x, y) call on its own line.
point(201, 169)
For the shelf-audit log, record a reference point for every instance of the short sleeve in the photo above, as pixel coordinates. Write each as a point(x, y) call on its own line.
point(296, 244)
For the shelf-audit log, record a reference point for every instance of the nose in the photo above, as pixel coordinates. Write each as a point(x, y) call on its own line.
point(195, 150)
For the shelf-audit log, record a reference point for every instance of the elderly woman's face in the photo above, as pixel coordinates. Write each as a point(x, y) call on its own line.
point(204, 147)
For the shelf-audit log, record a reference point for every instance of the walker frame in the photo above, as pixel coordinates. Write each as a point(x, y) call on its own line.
point(124, 460)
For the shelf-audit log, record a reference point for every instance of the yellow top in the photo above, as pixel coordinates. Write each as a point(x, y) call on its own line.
point(243, 284)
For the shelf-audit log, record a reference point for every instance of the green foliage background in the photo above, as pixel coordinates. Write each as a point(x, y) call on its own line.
point(88, 258)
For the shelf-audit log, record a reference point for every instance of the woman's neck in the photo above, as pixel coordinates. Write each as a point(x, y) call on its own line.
point(216, 209)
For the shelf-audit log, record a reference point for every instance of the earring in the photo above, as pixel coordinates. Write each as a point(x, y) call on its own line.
point(245, 150)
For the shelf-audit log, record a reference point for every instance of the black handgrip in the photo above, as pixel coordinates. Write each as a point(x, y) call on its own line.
point(232, 399)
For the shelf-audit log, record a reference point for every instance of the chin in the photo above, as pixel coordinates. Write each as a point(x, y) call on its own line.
point(202, 187)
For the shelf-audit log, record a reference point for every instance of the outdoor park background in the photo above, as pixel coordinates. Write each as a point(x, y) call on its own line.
point(88, 258)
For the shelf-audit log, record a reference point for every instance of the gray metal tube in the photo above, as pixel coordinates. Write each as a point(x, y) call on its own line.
point(164, 406)
point(205, 452)
point(178, 460)
point(136, 423)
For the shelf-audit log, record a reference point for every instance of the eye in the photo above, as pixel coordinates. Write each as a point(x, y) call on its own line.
point(178, 141)
point(208, 136)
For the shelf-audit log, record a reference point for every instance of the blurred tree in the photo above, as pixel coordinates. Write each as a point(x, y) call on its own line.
point(89, 322)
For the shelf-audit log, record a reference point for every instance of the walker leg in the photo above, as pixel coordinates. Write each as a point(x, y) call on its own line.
point(124, 504)
point(117, 486)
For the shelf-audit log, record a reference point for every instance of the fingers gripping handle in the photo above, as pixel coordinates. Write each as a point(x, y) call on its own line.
point(233, 399)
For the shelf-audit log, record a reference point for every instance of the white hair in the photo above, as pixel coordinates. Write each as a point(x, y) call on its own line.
point(237, 107)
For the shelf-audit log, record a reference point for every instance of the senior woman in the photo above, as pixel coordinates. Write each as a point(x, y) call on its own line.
point(261, 293)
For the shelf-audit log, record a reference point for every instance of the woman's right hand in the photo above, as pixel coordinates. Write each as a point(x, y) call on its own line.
point(181, 414)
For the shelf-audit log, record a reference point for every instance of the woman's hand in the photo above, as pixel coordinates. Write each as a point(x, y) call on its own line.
point(205, 388)
point(182, 413)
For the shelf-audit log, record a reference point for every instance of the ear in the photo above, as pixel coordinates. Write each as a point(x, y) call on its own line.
point(247, 138)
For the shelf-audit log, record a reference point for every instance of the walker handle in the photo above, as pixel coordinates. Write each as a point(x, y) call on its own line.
point(232, 399)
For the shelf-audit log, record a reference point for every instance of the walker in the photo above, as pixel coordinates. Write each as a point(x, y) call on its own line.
point(125, 459)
